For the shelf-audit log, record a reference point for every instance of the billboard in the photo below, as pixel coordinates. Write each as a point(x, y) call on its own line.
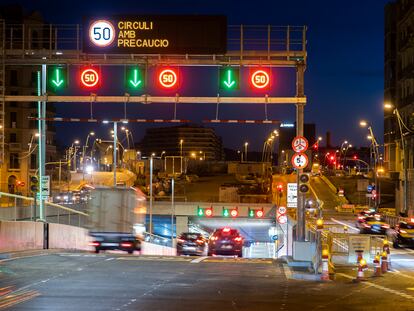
point(155, 34)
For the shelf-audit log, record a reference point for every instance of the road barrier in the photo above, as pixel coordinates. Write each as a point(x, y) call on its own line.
point(377, 265)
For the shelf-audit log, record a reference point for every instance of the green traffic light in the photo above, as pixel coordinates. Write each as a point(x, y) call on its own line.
point(251, 213)
point(134, 78)
point(200, 211)
point(226, 212)
point(56, 77)
point(229, 78)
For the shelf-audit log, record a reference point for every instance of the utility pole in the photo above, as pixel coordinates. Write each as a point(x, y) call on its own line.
point(114, 154)
point(300, 92)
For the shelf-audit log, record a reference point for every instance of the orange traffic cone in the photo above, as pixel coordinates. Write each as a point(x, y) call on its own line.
point(325, 265)
point(386, 248)
point(384, 262)
point(377, 265)
point(361, 267)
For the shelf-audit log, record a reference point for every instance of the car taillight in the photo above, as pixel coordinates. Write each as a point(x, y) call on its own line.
point(385, 226)
point(403, 231)
point(200, 241)
point(366, 226)
point(238, 239)
point(180, 240)
point(94, 243)
point(126, 244)
point(214, 238)
point(360, 217)
point(226, 230)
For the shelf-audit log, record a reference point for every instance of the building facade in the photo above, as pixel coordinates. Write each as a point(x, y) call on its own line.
point(190, 141)
point(399, 93)
point(18, 133)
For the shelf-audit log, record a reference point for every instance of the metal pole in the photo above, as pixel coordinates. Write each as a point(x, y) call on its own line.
point(150, 211)
point(60, 175)
point(114, 156)
point(172, 212)
point(405, 163)
point(43, 134)
point(300, 91)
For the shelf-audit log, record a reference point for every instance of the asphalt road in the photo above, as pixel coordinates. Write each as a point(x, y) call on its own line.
point(118, 282)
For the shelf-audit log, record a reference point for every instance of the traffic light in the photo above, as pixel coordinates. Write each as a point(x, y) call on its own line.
point(232, 212)
point(256, 213)
point(208, 212)
point(134, 78)
point(57, 77)
point(280, 189)
point(201, 212)
point(304, 183)
point(229, 78)
point(319, 224)
point(226, 212)
point(34, 184)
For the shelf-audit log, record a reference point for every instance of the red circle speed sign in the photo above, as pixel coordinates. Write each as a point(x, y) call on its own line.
point(89, 77)
point(260, 79)
point(168, 78)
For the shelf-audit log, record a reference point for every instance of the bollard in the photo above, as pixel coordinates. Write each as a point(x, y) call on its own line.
point(325, 265)
point(377, 265)
point(384, 262)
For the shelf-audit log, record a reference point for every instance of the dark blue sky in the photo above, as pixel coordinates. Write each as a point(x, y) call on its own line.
point(344, 78)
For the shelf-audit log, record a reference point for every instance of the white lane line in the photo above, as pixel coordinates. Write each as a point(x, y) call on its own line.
point(411, 251)
point(198, 260)
point(402, 274)
point(344, 224)
point(386, 289)
point(287, 271)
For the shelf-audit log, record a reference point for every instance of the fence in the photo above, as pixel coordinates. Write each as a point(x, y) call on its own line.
point(21, 208)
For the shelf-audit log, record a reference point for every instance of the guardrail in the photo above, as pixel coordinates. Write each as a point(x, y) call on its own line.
point(22, 208)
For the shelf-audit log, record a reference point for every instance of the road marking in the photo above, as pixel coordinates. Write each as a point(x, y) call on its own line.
point(389, 290)
point(198, 259)
point(344, 224)
point(287, 271)
point(402, 274)
point(234, 260)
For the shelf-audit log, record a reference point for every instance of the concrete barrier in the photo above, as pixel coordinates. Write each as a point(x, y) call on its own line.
point(22, 235)
point(68, 237)
point(154, 249)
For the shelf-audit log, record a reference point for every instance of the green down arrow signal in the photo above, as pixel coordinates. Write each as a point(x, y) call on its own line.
point(58, 82)
point(230, 82)
point(135, 82)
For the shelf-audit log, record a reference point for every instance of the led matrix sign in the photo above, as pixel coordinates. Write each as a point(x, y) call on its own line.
point(164, 34)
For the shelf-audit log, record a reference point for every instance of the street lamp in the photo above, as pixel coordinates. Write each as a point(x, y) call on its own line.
point(181, 147)
point(245, 150)
point(401, 124)
point(86, 147)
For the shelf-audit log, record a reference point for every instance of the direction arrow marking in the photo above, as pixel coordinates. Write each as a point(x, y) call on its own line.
point(135, 82)
point(229, 83)
point(57, 82)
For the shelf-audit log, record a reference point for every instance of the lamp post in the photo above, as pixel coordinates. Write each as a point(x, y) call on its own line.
point(245, 151)
point(401, 124)
point(86, 147)
point(374, 155)
point(76, 142)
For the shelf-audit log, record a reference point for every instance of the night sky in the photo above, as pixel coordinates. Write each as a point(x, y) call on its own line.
point(343, 82)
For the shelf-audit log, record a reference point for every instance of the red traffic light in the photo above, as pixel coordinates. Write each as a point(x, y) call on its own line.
point(209, 212)
point(332, 158)
point(280, 187)
point(355, 157)
point(259, 213)
point(234, 213)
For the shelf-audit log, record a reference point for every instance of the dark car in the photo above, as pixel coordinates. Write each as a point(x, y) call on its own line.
point(373, 224)
point(403, 234)
point(191, 244)
point(364, 214)
point(226, 241)
point(115, 241)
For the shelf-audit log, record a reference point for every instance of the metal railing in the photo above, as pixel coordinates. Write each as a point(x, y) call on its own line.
point(21, 208)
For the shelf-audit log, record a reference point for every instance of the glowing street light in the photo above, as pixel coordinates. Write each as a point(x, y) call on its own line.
point(363, 123)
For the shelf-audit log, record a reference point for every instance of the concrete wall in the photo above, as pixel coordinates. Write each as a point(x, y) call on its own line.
point(154, 249)
point(22, 235)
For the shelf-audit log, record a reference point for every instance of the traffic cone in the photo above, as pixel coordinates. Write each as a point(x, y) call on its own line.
point(325, 265)
point(361, 267)
point(377, 265)
point(386, 248)
point(384, 262)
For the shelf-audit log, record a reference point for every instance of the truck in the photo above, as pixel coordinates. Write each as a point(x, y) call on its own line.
point(116, 218)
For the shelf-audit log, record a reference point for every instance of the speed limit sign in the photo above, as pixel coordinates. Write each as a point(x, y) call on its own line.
point(300, 160)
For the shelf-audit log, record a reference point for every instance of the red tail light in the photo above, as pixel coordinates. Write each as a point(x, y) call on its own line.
point(385, 226)
point(226, 230)
point(94, 243)
point(126, 244)
point(366, 226)
point(180, 240)
point(238, 239)
point(200, 241)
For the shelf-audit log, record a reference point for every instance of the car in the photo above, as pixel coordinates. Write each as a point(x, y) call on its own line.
point(191, 244)
point(226, 241)
point(103, 241)
point(374, 224)
point(403, 234)
point(364, 214)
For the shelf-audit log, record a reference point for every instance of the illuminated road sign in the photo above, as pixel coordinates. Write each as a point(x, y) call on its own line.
point(300, 144)
point(260, 79)
point(135, 78)
point(168, 78)
point(89, 77)
point(101, 33)
point(57, 77)
point(229, 78)
point(300, 160)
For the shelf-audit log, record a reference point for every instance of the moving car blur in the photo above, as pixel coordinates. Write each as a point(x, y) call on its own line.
point(403, 235)
point(374, 224)
point(191, 244)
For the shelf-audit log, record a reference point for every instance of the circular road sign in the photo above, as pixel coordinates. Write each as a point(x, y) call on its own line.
point(168, 78)
point(300, 144)
point(89, 77)
point(282, 219)
point(101, 33)
point(260, 79)
point(275, 237)
point(300, 160)
point(281, 210)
